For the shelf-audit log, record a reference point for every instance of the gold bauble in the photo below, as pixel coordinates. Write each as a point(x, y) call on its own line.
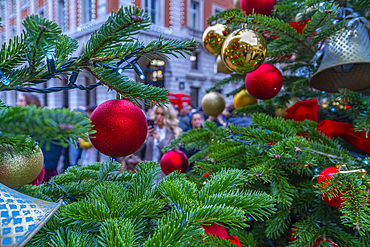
point(281, 112)
point(17, 169)
point(221, 67)
point(213, 104)
point(243, 98)
point(244, 51)
point(213, 38)
point(237, 4)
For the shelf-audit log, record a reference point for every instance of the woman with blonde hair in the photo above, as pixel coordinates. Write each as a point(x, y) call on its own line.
point(165, 130)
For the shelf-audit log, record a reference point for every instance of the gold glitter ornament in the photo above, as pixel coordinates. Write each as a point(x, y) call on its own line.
point(221, 67)
point(237, 4)
point(213, 104)
point(281, 112)
point(213, 38)
point(243, 98)
point(17, 169)
point(244, 51)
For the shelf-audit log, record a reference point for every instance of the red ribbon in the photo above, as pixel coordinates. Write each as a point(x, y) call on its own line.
point(309, 109)
point(220, 231)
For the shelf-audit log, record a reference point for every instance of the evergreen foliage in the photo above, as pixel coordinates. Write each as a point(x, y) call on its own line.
point(283, 157)
point(131, 209)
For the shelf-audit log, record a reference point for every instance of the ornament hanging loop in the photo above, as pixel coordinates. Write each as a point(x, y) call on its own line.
point(363, 171)
point(312, 181)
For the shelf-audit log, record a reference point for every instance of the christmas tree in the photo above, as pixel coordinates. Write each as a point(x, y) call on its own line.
point(308, 144)
point(101, 206)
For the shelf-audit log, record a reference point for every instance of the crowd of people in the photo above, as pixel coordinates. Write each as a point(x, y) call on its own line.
point(167, 124)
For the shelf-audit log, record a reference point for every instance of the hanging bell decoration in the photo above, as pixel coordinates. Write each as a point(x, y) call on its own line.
point(346, 61)
point(244, 51)
point(22, 216)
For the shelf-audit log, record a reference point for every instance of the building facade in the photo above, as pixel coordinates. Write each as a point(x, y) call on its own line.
point(172, 19)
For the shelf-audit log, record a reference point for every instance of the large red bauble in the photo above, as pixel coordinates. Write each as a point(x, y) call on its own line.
point(325, 175)
point(120, 126)
point(174, 160)
point(263, 7)
point(38, 180)
point(265, 82)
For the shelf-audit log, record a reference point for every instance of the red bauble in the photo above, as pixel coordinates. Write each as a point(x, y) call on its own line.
point(120, 126)
point(265, 82)
point(174, 160)
point(38, 180)
point(263, 7)
point(325, 175)
point(299, 26)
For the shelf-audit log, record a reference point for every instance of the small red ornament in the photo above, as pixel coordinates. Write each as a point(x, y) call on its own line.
point(263, 7)
point(38, 180)
point(325, 175)
point(292, 238)
point(174, 160)
point(299, 26)
point(265, 82)
point(121, 128)
point(220, 231)
point(206, 175)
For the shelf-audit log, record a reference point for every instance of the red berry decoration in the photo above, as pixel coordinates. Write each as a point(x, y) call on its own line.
point(120, 126)
point(263, 7)
point(40, 177)
point(174, 160)
point(265, 82)
point(325, 175)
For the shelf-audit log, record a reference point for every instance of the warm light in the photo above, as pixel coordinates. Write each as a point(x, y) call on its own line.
point(159, 72)
point(158, 63)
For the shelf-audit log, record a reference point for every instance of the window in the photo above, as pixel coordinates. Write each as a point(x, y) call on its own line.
point(24, 3)
point(194, 15)
point(154, 74)
point(194, 96)
point(41, 12)
point(151, 7)
point(62, 15)
point(102, 8)
point(194, 58)
point(12, 7)
point(86, 11)
point(13, 31)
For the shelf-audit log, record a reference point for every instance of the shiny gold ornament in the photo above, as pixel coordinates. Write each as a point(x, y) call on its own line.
point(22, 216)
point(237, 4)
point(213, 104)
point(244, 51)
point(213, 38)
point(243, 98)
point(281, 112)
point(346, 61)
point(17, 169)
point(221, 67)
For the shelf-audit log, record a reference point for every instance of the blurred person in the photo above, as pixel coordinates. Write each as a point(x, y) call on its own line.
point(52, 155)
point(244, 121)
point(130, 162)
point(74, 151)
point(215, 120)
point(184, 120)
point(28, 99)
point(165, 130)
point(196, 120)
point(90, 154)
